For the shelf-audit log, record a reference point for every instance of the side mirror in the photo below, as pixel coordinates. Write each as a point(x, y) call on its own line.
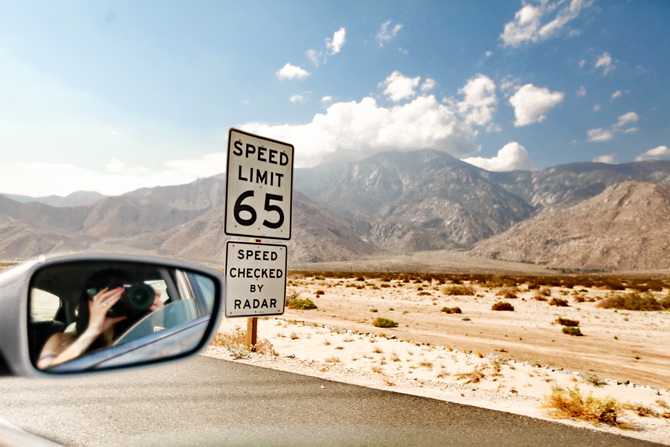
point(99, 312)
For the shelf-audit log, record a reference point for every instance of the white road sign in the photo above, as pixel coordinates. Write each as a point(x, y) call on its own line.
point(255, 279)
point(259, 187)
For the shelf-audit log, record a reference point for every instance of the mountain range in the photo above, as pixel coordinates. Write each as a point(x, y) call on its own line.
point(391, 202)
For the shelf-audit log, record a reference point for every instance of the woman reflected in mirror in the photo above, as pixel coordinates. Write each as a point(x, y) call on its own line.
point(97, 323)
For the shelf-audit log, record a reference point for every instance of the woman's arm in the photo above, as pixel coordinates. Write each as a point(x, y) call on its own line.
point(58, 349)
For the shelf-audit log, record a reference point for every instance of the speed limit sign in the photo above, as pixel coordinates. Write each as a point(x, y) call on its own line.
point(259, 186)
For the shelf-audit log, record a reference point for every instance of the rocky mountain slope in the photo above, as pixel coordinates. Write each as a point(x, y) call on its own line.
point(626, 227)
point(395, 202)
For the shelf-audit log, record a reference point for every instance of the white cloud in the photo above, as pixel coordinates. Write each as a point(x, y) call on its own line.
point(617, 94)
point(428, 85)
point(581, 92)
point(597, 135)
point(609, 159)
point(297, 98)
point(399, 87)
point(541, 19)
point(387, 32)
point(479, 100)
point(605, 62)
point(117, 177)
point(655, 153)
point(326, 100)
point(290, 71)
point(511, 157)
point(333, 46)
point(532, 103)
point(626, 119)
point(622, 125)
point(352, 130)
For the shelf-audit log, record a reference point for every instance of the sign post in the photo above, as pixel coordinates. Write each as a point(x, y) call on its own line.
point(259, 204)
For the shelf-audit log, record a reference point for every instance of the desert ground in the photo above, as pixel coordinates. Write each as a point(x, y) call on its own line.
point(450, 344)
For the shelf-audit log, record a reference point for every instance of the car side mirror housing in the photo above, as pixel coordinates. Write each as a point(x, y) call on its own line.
point(81, 313)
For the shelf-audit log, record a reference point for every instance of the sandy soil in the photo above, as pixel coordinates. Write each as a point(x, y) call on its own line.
point(504, 360)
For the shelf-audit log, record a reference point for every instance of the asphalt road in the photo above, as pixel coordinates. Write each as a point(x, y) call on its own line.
point(206, 401)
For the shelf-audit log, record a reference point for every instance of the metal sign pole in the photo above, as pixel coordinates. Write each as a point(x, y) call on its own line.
point(252, 325)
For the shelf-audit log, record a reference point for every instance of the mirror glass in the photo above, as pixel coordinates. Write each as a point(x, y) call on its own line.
point(100, 314)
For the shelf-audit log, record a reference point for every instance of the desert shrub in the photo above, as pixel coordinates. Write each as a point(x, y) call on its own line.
point(319, 292)
point(458, 290)
point(508, 292)
point(593, 379)
point(572, 403)
point(451, 310)
point(634, 301)
point(301, 304)
point(613, 284)
point(384, 322)
point(571, 330)
point(235, 342)
point(558, 302)
point(502, 305)
point(567, 322)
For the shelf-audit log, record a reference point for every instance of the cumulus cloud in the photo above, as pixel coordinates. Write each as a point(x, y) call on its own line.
point(511, 157)
point(479, 100)
point(398, 87)
point(333, 46)
point(387, 32)
point(352, 130)
point(609, 159)
point(624, 124)
point(532, 103)
point(605, 62)
point(540, 20)
point(655, 153)
point(289, 71)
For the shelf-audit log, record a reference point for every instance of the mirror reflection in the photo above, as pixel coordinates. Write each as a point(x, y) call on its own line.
point(98, 315)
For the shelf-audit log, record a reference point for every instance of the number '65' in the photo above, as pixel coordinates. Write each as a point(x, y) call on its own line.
point(249, 220)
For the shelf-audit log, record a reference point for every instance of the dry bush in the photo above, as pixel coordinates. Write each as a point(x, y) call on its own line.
point(635, 301)
point(571, 330)
point(502, 305)
point(572, 404)
point(458, 290)
point(451, 310)
point(567, 322)
point(384, 322)
point(235, 342)
point(558, 302)
point(508, 292)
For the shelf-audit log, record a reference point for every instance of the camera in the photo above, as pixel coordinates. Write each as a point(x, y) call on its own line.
point(134, 300)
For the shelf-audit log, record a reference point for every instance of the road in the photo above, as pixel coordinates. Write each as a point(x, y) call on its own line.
point(206, 401)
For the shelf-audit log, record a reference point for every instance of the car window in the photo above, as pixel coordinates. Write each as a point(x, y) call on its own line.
point(44, 305)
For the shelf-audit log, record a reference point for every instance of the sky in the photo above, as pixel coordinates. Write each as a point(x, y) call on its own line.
point(114, 96)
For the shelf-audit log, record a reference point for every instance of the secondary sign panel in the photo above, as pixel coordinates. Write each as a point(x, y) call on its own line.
point(255, 279)
point(259, 187)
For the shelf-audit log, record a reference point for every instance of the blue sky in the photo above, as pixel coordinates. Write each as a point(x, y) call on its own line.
point(117, 95)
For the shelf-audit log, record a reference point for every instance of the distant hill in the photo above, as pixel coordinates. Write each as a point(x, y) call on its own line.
point(398, 202)
point(626, 227)
point(80, 198)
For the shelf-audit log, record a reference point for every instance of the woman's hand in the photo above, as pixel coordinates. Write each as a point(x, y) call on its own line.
point(98, 307)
